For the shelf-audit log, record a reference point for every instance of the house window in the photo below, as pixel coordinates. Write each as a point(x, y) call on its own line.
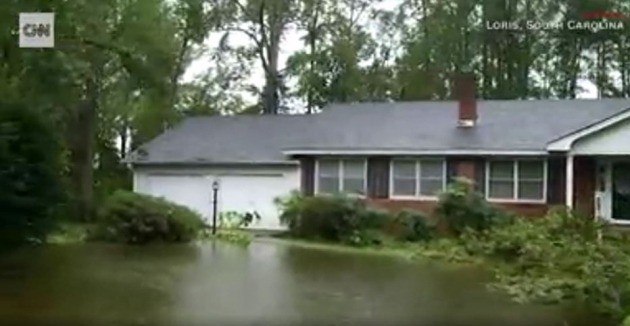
point(417, 178)
point(348, 175)
point(328, 178)
point(522, 180)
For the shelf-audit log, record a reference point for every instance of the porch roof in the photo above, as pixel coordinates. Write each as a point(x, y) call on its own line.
point(609, 136)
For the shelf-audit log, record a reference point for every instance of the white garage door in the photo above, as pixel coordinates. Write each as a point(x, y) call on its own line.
point(241, 193)
point(192, 191)
point(254, 193)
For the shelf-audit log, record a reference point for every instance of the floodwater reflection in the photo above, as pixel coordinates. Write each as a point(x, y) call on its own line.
point(265, 283)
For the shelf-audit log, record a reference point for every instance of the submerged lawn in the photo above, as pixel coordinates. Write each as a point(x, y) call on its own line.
point(270, 281)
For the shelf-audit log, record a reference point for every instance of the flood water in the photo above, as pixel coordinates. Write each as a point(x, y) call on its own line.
point(268, 282)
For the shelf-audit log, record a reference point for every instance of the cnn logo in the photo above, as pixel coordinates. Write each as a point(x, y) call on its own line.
point(37, 30)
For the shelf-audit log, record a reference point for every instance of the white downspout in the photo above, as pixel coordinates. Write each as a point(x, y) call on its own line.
point(569, 182)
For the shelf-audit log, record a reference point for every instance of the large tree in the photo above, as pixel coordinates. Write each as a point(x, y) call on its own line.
point(264, 23)
point(30, 175)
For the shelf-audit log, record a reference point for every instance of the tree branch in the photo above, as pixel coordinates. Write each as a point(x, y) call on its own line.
point(263, 36)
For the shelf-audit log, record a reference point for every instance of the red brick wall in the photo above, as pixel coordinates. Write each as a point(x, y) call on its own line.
point(464, 168)
point(396, 205)
point(584, 185)
point(521, 209)
point(472, 168)
point(428, 207)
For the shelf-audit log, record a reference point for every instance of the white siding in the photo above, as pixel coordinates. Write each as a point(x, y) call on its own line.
point(614, 140)
point(242, 189)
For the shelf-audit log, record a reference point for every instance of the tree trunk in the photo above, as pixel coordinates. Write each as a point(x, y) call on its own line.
point(83, 149)
point(124, 137)
point(270, 39)
point(313, 50)
point(272, 82)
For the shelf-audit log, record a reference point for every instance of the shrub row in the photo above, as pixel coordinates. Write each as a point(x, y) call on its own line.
point(340, 218)
point(557, 258)
point(135, 218)
point(347, 219)
point(461, 208)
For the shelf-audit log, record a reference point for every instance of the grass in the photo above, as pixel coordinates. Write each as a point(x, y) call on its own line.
point(446, 250)
point(231, 235)
point(436, 249)
point(75, 232)
point(69, 232)
point(397, 249)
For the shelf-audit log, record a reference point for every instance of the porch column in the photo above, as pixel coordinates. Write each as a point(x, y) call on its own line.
point(569, 182)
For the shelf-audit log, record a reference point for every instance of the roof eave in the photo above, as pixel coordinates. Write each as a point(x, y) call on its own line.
point(209, 163)
point(445, 152)
point(564, 143)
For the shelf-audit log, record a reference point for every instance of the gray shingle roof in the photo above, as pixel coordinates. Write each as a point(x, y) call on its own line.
point(422, 126)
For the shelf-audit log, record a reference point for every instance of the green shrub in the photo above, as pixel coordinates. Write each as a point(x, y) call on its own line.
point(231, 235)
point(462, 208)
point(525, 238)
point(69, 233)
point(332, 218)
point(235, 220)
point(564, 220)
point(372, 218)
point(335, 218)
point(365, 237)
point(412, 226)
point(556, 258)
point(447, 249)
point(30, 175)
point(290, 209)
point(134, 218)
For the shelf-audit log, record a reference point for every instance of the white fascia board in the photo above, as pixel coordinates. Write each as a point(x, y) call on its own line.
point(564, 143)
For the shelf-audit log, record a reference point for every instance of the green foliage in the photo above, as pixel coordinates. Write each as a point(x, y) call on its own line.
point(462, 208)
point(137, 219)
point(234, 236)
point(334, 218)
point(373, 218)
point(346, 219)
point(235, 220)
point(447, 249)
point(69, 233)
point(229, 225)
point(230, 235)
point(413, 226)
point(290, 207)
point(331, 218)
point(30, 179)
point(555, 259)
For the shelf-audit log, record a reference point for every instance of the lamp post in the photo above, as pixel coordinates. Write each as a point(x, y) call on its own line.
point(215, 191)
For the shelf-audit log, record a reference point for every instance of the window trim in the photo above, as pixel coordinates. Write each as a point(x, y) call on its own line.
point(515, 182)
point(418, 174)
point(340, 172)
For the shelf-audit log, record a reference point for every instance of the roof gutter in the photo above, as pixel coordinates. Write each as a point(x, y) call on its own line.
point(201, 163)
point(295, 152)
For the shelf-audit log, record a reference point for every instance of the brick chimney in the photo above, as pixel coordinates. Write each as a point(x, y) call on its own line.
point(465, 95)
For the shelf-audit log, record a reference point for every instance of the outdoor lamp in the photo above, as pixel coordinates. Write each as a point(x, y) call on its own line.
point(215, 190)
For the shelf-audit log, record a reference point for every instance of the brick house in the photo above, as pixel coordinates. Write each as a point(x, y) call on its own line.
point(524, 155)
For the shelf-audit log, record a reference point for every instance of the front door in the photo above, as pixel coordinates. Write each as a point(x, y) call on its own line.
point(621, 191)
point(603, 196)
